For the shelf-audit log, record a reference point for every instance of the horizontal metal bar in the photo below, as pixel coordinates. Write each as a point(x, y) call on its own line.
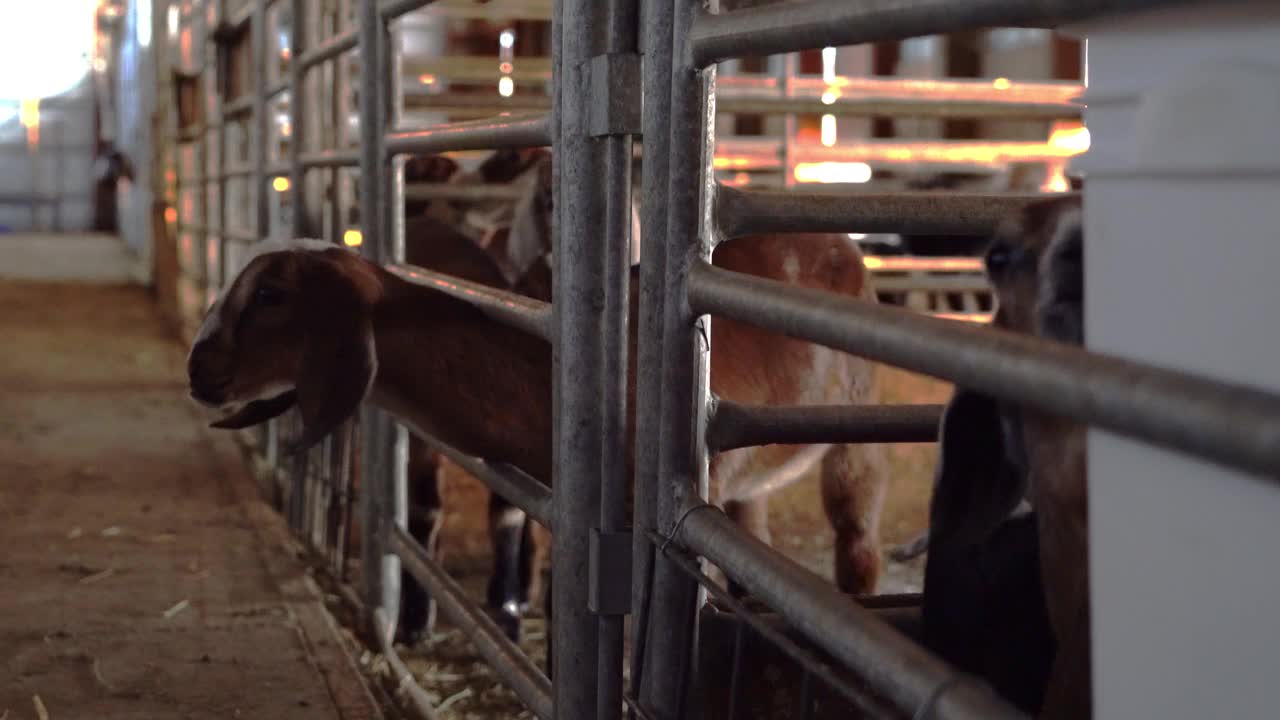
point(1230, 424)
point(279, 171)
point(519, 488)
point(919, 156)
point(932, 90)
point(749, 212)
point(238, 234)
point(330, 158)
point(517, 311)
point(734, 426)
point(511, 665)
point(276, 88)
point(236, 171)
point(404, 677)
point(876, 106)
point(791, 27)
point(450, 191)
point(392, 9)
point(487, 134)
point(894, 666)
point(329, 49)
point(238, 106)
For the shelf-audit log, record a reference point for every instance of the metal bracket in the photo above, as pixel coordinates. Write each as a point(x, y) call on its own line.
point(614, 86)
point(609, 566)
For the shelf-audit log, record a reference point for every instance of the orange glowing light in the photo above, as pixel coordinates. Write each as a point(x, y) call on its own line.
point(352, 238)
point(427, 79)
point(505, 67)
point(29, 116)
point(922, 264)
point(280, 184)
point(1069, 137)
point(978, 318)
point(833, 172)
point(284, 53)
point(171, 215)
point(1001, 84)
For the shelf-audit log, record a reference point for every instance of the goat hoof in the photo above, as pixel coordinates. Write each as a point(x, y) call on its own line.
point(508, 619)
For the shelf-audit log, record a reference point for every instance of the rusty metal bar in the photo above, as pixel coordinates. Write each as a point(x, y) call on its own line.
point(748, 212)
point(790, 27)
point(1230, 424)
point(736, 426)
point(511, 665)
point(487, 134)
point(524, 314)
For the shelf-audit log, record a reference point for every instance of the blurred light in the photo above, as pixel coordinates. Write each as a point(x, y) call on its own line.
point(857, 236)
point(506, 86)
point(828, 64)
point(352, 238)
point(427, 79)
point(280, 184)
point(830, 96)
point(833, 172)
point(1001, 84)
point(143, 11)
point(904, 263)
point(829, 130)
point(99, 64)
point(1070, 137)
point(29, 116)
point(173, 17)
point(171, 215)
point(284, 53)
point(505, 67)
point(507, 39)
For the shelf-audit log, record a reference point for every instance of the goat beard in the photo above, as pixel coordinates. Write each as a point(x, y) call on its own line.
point(257, 412)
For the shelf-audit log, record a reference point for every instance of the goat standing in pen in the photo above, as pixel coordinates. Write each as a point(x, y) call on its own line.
point(1006, 594)
point(320, 327)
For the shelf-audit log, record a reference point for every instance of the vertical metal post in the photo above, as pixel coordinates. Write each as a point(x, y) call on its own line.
point(672, 623)
point(587, 437)
point(656, 40)
point(381, 569)
point(620, 40)
point(259, 134)
point(297, 118)
point(789, 123)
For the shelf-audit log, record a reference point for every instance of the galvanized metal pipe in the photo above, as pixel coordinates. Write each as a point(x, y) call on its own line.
point(511, 665)
point(327, 50)
point(450, 191)
point(1233, 425)
point(655, 38)
point(239, 106)
point(298, 121)
point(380, 578)
point(736, 426)
point(897, 668)
point(392, 9)
point(682, 460)
point(518, 487)
point(487, 134)
point(349, 157)
point(749, 212)
point(791, 27)
point(896, 107)
point(525, 314)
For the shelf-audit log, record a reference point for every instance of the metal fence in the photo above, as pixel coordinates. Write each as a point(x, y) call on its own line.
point(596, 113)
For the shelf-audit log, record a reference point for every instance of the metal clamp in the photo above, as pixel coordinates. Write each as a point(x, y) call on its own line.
point(609, 565)
point(614, 85)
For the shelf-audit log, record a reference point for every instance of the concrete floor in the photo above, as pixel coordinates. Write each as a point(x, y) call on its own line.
point(142, 575)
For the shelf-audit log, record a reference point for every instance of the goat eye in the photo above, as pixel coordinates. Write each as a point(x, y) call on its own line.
point(268, 296)
point(999, 257)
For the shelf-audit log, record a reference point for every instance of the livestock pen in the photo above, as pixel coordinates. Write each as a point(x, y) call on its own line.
point(281, 120)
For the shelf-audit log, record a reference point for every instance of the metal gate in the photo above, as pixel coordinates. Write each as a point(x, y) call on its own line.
point(596, 114)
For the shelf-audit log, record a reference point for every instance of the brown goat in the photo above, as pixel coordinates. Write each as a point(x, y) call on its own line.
point(1020, 580)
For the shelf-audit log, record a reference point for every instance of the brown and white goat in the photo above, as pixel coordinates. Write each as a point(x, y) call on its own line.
point(1006, 594)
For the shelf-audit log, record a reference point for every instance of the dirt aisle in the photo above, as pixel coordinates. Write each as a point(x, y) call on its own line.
point(140, 576)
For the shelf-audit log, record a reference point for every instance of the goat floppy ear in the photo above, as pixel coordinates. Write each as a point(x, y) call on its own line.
point(975, 485)
point(338, 363)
